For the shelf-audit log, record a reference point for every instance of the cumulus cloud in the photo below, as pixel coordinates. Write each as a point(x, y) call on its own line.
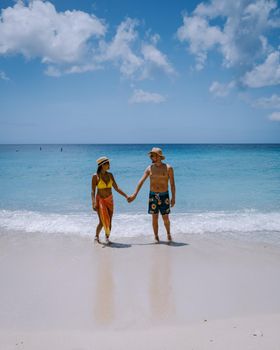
point(221, 90)
point(265, 74)
point(244, 34)
point(135, 59)
point(155, 58)
point(120, 50)
point(275, 116)
point(267, 102)
point(75, 41)
point(3, 76)
point(239, 33)
point(36, 29)
point(140, 96)
point(201, 37)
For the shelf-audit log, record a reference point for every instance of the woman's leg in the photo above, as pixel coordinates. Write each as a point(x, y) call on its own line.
point(110, 213)
point(105, 215)
point(111, 218)
point(98, 228)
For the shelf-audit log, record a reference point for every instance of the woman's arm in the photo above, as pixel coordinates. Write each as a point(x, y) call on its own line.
point(93, 188)
point(116, 187)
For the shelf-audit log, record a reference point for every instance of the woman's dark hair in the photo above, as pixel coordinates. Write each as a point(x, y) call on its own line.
point(98, 171)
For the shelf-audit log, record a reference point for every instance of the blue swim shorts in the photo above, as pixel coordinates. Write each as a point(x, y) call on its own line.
point(159, 201)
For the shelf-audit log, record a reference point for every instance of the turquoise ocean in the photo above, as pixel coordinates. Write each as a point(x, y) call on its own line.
point(223, 190)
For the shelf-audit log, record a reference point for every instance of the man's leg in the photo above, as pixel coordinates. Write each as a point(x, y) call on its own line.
point(167, 226)
point(155, 226)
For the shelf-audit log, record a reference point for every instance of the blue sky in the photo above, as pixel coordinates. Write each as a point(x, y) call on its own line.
point(139, 71)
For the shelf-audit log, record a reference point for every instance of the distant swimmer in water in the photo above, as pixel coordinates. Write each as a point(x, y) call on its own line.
point(61, 149)
point(160, 174)
point(102, 201)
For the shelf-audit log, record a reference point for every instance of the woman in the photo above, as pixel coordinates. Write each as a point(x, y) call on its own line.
point(103, 201)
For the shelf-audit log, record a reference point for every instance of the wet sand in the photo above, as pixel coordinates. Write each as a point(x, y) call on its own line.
point(65, 292)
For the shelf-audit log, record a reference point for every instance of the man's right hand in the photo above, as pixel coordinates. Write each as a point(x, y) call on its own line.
point(131, 198)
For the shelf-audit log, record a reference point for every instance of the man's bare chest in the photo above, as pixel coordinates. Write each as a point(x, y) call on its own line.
point(159, 172)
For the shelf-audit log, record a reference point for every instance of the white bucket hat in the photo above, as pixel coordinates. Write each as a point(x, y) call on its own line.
point(158, 151)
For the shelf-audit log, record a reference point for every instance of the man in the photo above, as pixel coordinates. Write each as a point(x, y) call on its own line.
point(159, 173)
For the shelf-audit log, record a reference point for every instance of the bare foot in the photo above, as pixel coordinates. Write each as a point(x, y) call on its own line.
point(169, 238)
point(156, 238)
point(108, 241)
point(96, 239)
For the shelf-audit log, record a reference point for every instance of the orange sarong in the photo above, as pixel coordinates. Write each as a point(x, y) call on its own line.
point(105, 206)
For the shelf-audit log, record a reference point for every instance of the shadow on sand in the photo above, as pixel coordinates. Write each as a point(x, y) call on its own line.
point(173, 244)
point(115, 245)
point(125, 245)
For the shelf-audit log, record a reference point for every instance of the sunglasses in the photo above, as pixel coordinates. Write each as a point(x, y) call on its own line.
point(104, 163)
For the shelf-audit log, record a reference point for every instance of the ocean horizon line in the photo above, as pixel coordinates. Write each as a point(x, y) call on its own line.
point(128, 143)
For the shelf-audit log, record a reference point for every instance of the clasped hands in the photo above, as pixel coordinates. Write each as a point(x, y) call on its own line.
point(131, 198)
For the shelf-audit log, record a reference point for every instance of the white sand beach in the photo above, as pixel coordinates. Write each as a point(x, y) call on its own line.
point(65, 292)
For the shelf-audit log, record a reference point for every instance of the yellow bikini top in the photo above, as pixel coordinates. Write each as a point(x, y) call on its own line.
point(101, 184)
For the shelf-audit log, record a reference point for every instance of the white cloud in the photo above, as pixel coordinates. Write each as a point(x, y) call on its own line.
point(3, 76)
point(239, 33)
point(135, 59)
point(140, 96)
point(267, 102)
point(275, 116)
point(156, 58)
point(265, 74)
point(221, 90)
point(154, 38)
point(201, 37)
point(120, 51)
point(74, 41)
point(38, 30)
point(53, 71)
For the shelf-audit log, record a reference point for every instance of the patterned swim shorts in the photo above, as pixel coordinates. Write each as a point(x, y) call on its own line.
point(159, 201)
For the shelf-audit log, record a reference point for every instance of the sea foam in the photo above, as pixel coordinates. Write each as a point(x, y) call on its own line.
point(247, 224)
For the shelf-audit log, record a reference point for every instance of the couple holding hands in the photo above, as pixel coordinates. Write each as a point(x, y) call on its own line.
point(160, 174)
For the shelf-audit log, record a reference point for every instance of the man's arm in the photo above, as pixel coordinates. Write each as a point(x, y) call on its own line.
point(172, 185)
point(116, 188)
point(140, 184)
point(93, 188)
